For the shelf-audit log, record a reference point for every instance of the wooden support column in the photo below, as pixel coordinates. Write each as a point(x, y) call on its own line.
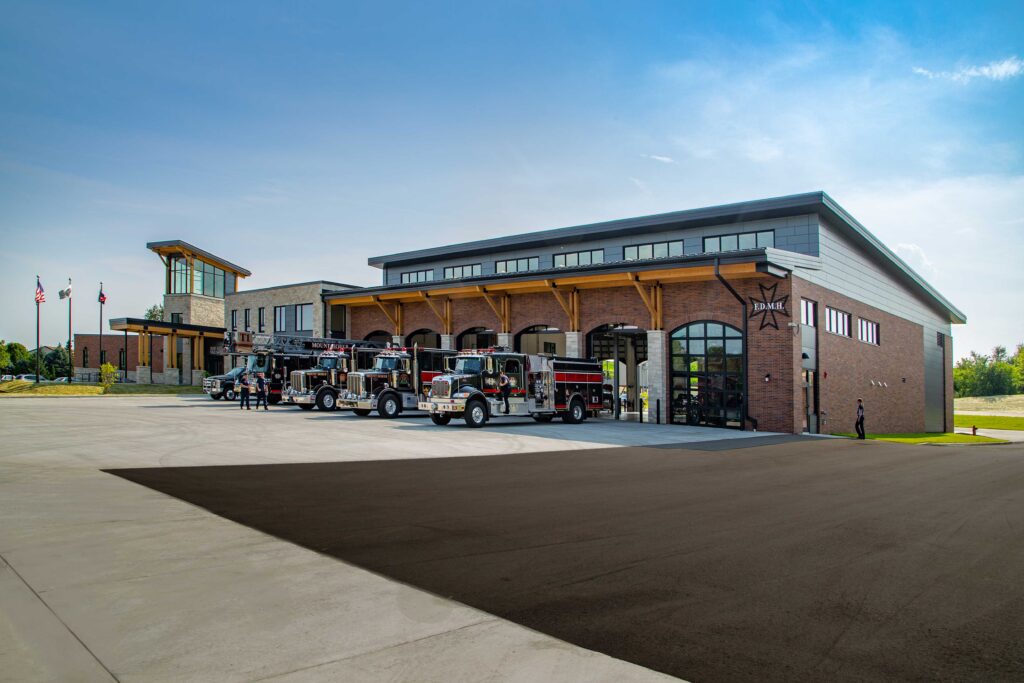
point(394, 315)
point(502, 308)
point(570, 303)
point(651, 296)
point(444, 313)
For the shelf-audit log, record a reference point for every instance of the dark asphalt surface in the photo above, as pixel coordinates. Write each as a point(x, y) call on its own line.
point(801, 561)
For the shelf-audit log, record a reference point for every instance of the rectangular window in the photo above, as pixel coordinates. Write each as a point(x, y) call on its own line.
point(248, 320)
point(103, 356)
point(867, 331)
point(574, 259)
point(414, 276)
point(940, 339)
point(520, 265)
point(261, 319)
point(121, 361)
point(837, 322)
point(459, 272)
point(234, 319)
point(745, 240)
point(175, 317)
point(280, 318)
point(808, 313)
point(85, 356)
point(641, 252)
point(304, 317)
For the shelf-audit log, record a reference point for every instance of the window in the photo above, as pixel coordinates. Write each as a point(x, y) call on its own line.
point(304, 317)
point(519, 265)
point(573, 259)
point(837, 322)
point(418, 276)
point(205, 279)
point(248, 320)
point(706, 365)
point(640, 252)
point(808, 313)
point(940, 339)
point(280, 319)
point(175, 317)
point(103, 357)
point(867, 331)
point(261, 318)
point(234, 319)
point(85, 356)
point(121, 359)
point(457, 272)
point(746, 240)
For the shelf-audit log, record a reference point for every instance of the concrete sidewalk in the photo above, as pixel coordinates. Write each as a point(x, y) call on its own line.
point(102, 579)
point(1013, 435)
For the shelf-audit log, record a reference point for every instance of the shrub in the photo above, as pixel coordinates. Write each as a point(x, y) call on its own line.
point(108, 375)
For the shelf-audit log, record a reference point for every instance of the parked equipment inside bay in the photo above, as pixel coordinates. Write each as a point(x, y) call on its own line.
point(398, 379)
point(541, 387)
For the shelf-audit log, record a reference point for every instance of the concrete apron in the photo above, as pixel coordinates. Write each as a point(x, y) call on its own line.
point(101, 578)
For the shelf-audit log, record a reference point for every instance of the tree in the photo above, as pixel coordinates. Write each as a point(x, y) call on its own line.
point(56, 362)
point(155, 312)
point(979, 375)
point(5, 357)
point(21, 361)
point(1017, 362)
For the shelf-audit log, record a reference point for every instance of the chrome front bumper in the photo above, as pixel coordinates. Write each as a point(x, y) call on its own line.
point(298, 397)
point(442, 405)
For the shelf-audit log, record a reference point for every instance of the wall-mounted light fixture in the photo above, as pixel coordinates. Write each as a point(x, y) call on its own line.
point(768, 377)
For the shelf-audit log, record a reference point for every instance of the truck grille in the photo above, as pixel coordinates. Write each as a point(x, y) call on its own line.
point(441, 387)
point(297, 380)
point(354, 383)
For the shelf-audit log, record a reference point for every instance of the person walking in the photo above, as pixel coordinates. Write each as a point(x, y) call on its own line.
point(243, 400)
point(261, 391)
point(505, 385)
point(860, 419)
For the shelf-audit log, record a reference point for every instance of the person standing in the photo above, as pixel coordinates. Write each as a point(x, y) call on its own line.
point(860, 419)
point(505, 385)
point(261, 391)
point(243, 400)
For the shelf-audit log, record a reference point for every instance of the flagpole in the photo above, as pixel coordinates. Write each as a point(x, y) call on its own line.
point(37, 333)
point(71, 358)
point(100, 363)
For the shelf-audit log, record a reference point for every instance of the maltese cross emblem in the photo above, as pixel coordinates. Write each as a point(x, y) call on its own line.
point(768, 306)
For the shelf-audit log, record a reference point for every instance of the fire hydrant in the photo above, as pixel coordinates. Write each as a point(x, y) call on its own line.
point(974, 430)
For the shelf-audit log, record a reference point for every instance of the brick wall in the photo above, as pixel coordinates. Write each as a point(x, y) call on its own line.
point(112, 344)
point(889, 377)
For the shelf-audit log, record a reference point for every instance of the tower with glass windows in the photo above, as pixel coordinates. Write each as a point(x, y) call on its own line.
point(196, 282)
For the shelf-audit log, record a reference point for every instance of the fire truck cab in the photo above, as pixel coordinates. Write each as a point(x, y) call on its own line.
point(396, 382)
point(542, 387)
point(321, 385)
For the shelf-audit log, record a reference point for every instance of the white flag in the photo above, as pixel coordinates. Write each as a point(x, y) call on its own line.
point(65, 293)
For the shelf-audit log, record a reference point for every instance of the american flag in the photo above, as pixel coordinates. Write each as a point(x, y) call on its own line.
point(40, 293)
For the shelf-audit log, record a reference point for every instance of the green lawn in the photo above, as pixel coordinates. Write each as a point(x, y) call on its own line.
point(929, 438)
point(20, 388)
point(989, 421)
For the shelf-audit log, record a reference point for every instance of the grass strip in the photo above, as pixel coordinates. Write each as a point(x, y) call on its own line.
point(989, 421)
point(927, 437)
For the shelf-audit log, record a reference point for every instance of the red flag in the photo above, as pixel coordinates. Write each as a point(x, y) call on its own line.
point(103, 297)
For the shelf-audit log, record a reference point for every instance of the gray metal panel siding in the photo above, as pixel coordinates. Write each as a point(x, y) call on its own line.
point(796, 234)
point(850, 271)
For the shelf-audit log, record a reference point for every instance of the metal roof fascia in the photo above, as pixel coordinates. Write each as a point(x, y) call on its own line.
point(844, 218)
point(152, 246)
point(722, 214)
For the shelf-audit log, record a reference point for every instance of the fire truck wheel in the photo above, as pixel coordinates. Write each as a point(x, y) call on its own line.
point(441, 418)
point(229, 395)
point(306, 406)
point(543, 418)
point(388, 406)
point(274, 399)
point(476, 414)
point(325, 400)
point(361, 412)
point(576, 413)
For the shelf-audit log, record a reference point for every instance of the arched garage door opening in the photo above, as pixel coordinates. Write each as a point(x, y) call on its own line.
point(622, 351)
point(476, 338)
point(425, 339)
point(378, 336)
point(541, 339)
point(706, 365)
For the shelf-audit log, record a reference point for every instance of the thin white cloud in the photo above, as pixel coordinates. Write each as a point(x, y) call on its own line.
point(659, 157)
point(916, 257)
point(641, 185)
point(1001, 70)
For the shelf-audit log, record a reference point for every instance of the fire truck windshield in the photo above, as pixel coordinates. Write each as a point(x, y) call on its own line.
point(258, 362)
point(468, 365)
point(385, 363)
point(329, 363)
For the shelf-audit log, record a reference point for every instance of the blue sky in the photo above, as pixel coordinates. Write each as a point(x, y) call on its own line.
point(298, 140)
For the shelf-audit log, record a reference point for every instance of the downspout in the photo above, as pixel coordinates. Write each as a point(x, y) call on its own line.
point(746, 343)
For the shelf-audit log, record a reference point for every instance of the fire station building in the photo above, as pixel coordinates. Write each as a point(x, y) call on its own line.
point(773, 315)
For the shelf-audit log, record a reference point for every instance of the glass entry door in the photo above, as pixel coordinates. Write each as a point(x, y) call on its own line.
point(707, 375)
